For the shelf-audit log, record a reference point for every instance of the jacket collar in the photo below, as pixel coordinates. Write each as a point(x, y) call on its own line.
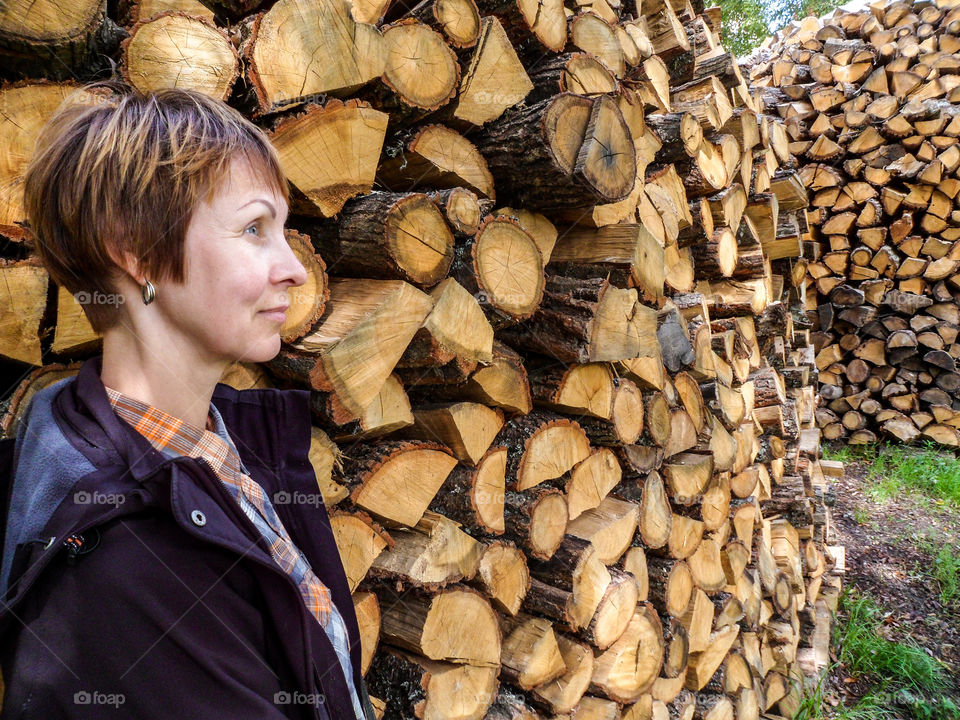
point(270, 427)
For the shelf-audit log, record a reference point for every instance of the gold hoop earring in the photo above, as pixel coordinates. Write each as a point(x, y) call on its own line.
point(148, 292)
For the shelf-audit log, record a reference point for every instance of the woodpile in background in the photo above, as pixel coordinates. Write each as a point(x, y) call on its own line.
point(563, 385)
point(871, 103)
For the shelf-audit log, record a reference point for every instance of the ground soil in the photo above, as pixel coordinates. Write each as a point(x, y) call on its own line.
point(888, 556)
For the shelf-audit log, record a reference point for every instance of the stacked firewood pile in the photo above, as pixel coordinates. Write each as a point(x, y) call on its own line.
point(873, 113)
point(563, 385)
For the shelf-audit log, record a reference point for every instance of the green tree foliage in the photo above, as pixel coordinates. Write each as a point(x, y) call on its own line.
point(747, 23)
point(744, 25)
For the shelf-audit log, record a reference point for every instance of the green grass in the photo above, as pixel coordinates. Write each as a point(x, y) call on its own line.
point(946, 571)
point(864, 650)
point(893, 470)
point(906, 682)
point(944, 565)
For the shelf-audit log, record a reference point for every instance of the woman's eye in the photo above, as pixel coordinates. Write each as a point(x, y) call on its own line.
point(255, 228)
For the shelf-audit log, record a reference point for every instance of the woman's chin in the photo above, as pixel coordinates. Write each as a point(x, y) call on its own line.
point(263, 350)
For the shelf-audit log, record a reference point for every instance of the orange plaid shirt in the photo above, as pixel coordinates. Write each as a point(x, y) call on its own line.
point(174, 437)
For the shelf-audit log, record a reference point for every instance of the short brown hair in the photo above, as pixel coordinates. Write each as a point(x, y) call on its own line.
point(124, 174)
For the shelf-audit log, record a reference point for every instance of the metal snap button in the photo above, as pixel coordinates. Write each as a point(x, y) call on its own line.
point(199, 519)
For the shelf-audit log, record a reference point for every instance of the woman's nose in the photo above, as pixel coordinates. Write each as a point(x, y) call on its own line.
point(289, 268)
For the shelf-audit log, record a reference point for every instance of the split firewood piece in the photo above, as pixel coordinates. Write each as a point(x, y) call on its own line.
point(587, 389)
point(629, 667)
point(24, 110)
point(503, 268)
point(657, 419)
point(175, 50)
point(433, 552)
point(689, 391)
point(671, 585)
point(590, 480)
point(703, 665)
point(494, 80)
point(579, 72)
point(388, 235)
point(459, 20)
point(569, 586)
point(413, 686)
point(543, 232)
point(626, 420)
point(680, 136)
point(722, 444)
point(436, 156)
point(24, 296)
point(587, 321)
point(298, 49)
point(726, 403)
point(591, 33)
point(628, 253)
point(462, 209)
point(324, 456)
point(683, 433)
point(717, 257)
point(705, 173)
point(466, 428)
point(366, 327)
point(614, 612)
point(421, 73)
point(656, 519)
point(380, 477)
point(503, 576)
point(367, 609)
point(537, 518)
point(562, 694)
point(705, 566)
point(455, 330)
point(676, 649)
point(503, 383)
point(688, 475)
point(714, 508)
point(388, 412)
point(547, 22)
point(330, 153)
point(541, 446)
point(74, 334)
point(455, 624)
point(45, 39)
point(359, 540)
point(565, 152)
point(609, 527)
point(666, 32)
point(307, 301)
point(531, 655)
point(474, 496)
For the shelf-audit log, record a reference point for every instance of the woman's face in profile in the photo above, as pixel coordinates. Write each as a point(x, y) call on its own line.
point(238, 269)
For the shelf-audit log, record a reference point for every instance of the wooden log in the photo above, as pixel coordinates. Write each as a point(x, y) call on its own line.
point(574, 152)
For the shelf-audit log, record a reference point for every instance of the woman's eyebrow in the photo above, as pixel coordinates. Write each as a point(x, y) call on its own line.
point(273, 210)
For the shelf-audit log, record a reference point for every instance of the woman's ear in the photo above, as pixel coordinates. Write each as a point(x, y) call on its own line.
point(127, 264)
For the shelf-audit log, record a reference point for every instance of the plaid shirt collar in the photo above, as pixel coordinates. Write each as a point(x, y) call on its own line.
point(173, 437)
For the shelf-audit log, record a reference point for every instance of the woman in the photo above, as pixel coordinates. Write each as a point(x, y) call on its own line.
point(146, 571)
